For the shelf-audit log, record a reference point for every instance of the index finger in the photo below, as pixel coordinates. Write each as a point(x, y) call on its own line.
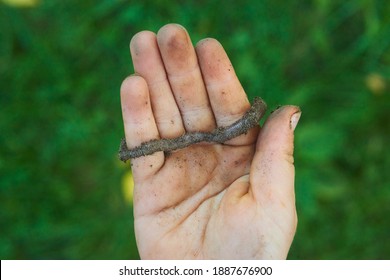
point(227, 97)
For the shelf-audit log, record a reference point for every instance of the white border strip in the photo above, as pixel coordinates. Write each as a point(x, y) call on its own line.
point(123, 270)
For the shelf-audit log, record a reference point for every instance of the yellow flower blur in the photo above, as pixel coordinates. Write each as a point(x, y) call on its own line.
point(21, 3)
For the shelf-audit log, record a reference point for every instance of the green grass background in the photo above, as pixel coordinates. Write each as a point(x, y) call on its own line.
point(61, 66)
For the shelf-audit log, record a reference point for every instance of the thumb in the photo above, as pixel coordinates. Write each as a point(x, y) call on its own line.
point(272, 171)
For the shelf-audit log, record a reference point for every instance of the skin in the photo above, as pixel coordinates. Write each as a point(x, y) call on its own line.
point(206, 201)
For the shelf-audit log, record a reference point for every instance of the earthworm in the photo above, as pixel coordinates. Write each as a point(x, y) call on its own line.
point(219, 135)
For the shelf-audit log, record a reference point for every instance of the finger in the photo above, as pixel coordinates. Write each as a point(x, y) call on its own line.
point(139, 125)
point(272, 171)
point(148, 64)
point(185, 77)
point(227, 97)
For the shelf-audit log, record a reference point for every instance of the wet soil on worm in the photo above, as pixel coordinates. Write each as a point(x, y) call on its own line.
point(219, 135)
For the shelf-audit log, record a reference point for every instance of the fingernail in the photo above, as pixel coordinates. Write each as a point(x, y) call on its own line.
point(295, 119)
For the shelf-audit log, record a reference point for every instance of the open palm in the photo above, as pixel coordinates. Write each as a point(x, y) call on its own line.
point(208, 201)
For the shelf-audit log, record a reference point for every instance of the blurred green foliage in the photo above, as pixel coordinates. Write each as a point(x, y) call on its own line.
point(61, 65)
